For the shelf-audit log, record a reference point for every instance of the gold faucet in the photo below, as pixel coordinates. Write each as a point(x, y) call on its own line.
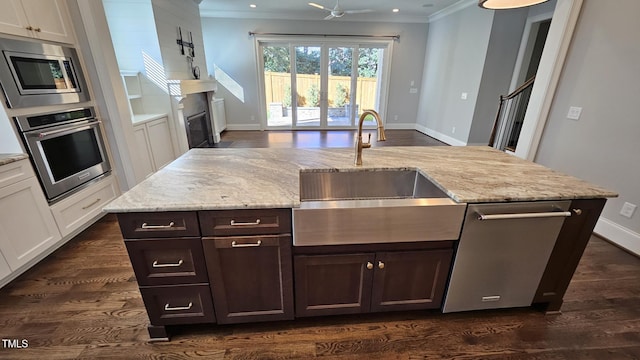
point(361, 144)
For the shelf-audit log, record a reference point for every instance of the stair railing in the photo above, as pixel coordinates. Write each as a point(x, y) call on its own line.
point(509, 118)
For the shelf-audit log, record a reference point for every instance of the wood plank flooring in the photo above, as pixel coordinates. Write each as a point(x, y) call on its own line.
point(83, 303)
point(321, 139)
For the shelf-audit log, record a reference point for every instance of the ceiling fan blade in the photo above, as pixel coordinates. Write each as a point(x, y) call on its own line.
point(329, 17)
point(318, 6)
point(363, 11)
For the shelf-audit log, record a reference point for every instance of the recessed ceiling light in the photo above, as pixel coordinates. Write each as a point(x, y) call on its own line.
point(395, 10)
point(253, 6)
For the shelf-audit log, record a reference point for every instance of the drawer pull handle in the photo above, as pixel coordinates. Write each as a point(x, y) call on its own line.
point(157, 227)
point(524, 215)
point(234, 223)
point(178, 308)
point(369, 265)
point(380, 265)
point(90, 205)
point(156, 265)
point(236, 245)
point(37, 29)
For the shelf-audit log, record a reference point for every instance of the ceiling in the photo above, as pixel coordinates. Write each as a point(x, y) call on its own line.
point(412, 11)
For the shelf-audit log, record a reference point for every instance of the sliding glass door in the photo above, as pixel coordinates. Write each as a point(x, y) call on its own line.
point(321, 84)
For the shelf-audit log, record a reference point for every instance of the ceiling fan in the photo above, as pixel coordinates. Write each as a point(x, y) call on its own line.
point(337, 11)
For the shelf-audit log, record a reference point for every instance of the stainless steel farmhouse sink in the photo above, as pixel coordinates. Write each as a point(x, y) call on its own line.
point(373, 206)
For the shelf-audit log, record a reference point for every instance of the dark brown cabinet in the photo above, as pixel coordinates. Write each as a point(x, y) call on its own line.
point(166, 253)
point(568, 249)
point(251, 276)
point(334, 284)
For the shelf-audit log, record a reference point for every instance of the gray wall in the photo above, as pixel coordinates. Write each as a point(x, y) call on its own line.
point(454, 62)
point(504, 43)
point(601, 75)
point(229, 47)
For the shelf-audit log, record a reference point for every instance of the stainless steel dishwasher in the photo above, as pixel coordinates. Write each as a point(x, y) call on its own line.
point(502, 254)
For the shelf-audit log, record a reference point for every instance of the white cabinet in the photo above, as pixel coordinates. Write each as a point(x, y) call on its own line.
point(46, 20)
point(5, 270)
point(80, 208)
point(219, 118)
point(155, 149)
point(27, 227)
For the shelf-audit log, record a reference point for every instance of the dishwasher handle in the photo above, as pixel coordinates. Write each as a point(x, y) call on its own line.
point(550, 214)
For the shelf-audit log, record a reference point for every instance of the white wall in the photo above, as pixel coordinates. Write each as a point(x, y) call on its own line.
point(499, 63)
point(602, 75)
point(169, 15)
point(229, 47)
point(133, 31)
point(454, 61)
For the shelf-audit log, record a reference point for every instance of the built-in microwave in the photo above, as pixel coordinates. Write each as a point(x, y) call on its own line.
point(36, 74)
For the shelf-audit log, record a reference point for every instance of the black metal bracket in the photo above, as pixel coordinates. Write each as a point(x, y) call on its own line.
point(184, 44)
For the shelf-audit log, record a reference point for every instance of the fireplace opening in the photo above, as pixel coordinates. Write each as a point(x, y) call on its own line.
point(197, 121)
point(198, 130)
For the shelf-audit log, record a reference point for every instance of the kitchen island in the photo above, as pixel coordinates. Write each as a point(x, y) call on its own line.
point(210, 235)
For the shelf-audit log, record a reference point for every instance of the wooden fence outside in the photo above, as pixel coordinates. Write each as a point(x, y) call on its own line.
point(276, 84)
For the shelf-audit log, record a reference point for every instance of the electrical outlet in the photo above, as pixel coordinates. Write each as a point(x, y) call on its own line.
point(395, 117)
point(413, 90)
point(453, 130)
point(463, 96)
point(627, 210)
point(253, 117)
point(574, 113)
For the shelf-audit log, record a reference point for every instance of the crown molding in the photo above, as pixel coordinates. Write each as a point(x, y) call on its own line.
point(460, 5)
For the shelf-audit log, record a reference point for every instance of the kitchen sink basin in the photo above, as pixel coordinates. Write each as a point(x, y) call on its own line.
point(373, 206)
point(375, 184)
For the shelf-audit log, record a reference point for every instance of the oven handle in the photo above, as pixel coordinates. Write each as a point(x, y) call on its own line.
point(53, 132)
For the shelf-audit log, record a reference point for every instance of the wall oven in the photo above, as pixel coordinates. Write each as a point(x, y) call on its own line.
point(66, 148)
point(36, 74)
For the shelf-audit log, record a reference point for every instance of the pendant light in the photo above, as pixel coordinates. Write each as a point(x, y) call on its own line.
point(507, 4)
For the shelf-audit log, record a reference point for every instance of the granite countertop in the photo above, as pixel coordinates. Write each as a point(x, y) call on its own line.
point(205, 179)
point(9, 158)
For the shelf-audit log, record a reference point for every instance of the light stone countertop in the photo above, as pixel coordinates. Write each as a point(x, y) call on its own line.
point(9, 158)
point(206, 179)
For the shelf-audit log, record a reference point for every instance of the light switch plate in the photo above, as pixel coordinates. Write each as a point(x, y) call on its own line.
point(574, 113)
point(627, 210)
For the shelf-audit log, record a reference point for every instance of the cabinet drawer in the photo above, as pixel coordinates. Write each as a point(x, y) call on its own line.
point(178, 304)
point(167, 261)
point(76, 210)
point(14, 172)
point(245, 222)
point(162, 224)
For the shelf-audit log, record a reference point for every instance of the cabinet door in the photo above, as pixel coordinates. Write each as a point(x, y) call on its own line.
point(333, 284)
point(12, 19)
point(160, 142)
point(410, 280)
point(251, 277)
point(572, 240)
point(144, 167)
point(5, 270)
point(49, 19)
point(27, 227)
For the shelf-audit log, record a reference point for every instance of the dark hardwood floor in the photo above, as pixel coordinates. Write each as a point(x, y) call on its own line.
point(321, 138)
point(82, 302)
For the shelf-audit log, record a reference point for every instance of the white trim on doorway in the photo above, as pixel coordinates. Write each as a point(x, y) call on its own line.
point(556, 47)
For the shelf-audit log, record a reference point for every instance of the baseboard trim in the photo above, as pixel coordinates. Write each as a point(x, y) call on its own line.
point(400, 126)
point(440, 136)
point(619, 235)
point(247, 127)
